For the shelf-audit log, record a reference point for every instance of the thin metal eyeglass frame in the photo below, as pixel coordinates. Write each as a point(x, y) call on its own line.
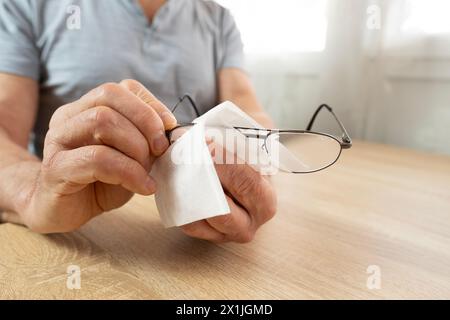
point(346, 142)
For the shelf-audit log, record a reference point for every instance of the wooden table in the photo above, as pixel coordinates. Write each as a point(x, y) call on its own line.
point(380, 206)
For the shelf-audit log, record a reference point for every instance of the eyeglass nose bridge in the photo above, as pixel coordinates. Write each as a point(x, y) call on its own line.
point(264, 145)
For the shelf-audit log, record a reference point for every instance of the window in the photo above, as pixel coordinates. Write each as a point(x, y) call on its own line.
point(427, 16)
point(282, 26)
point(418, 28)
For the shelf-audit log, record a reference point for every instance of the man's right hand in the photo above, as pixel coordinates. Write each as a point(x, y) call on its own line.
point(98, 153)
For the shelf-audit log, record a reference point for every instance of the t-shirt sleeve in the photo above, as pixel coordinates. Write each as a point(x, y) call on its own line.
point(232, 55)
point(19, 54)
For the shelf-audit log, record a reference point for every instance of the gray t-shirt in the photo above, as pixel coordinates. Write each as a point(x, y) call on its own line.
point(72, 46)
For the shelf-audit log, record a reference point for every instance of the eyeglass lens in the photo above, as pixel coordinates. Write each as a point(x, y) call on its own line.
point(302, 152)
point(292, 151)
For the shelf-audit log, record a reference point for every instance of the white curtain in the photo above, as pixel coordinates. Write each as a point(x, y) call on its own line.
point(389, 81)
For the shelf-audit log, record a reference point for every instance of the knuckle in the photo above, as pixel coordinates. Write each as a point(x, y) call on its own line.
point(243, 181)
point(190, 229)
point(265, 203)
point(154, 122)
point(38, 228)
point(271, 203)
point(225, 220)
point(98, 159)
point(130, 84)
point(246, 237)
point(57, 116)
point(51, 136)
point(108, 89)
point(139, 90)
point(105, 120)
point(97, 156)
point(273, 208)
point(149, 113)
point(270, 212)
point(155, 104)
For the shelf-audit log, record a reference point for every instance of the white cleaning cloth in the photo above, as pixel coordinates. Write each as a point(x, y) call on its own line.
point(188, 188)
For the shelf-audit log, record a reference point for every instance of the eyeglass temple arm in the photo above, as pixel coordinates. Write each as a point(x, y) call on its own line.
point(188, 97)
point(346, 140)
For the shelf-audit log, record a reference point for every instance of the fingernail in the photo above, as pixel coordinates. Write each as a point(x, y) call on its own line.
point(169, 120)
point(150, 184)
point(159, 143)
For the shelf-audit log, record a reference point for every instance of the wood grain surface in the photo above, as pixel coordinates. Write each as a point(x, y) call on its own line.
point(378, 206)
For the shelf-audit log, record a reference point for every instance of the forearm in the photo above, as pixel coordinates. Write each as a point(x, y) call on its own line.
point(18, 173)
point(249, 103)
point(235, 86)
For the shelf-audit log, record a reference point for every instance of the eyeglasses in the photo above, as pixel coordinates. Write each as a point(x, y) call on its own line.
point(293, 151)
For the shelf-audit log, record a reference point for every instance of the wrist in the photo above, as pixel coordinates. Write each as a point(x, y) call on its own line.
point(17, 185)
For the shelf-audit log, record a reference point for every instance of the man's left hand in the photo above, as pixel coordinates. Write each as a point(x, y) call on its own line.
point(252, 200)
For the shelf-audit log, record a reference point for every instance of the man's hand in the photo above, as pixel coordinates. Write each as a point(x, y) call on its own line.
point(98, 152)
point(251, 197)
point(252, 200)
